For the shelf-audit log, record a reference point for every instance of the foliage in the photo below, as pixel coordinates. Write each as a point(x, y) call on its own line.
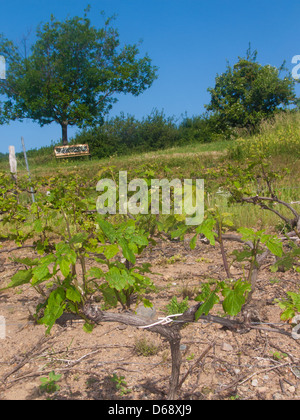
point(126, 135)
point(66, 231)
point(122, 278)
point(253, 183)
point(146, 348)
point(175, 307)
point(73, 73)
point(69, 213)
point(288, 259)
point(235, 295)
point(279, 137)
point(66, 234)
point(49, 384)
point(121, 384)
point(3, 156)
point(249, 92)
point(203, 128)
point(290, 305)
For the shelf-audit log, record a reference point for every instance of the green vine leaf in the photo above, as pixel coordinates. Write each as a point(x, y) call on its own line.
point(209, 299)
point(20, 278)
point(54, 309)
point(207, 229)
point(235, 297)
point(73, 294)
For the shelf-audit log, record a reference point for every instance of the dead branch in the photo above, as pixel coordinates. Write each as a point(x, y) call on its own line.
point(202, 356)
point(259, 200)
point(36, 350)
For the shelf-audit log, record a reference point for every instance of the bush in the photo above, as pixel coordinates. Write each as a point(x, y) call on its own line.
point(248, 93)
point(200, 129)
point(126, 135)
point(157, 132)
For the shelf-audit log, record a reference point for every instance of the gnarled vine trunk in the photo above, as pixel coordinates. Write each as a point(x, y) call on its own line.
point(171, 332)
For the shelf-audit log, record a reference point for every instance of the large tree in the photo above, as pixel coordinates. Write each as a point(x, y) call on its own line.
point(249, 92)
point(72, 75)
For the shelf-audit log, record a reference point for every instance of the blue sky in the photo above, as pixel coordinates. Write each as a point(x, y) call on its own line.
point(190, 42)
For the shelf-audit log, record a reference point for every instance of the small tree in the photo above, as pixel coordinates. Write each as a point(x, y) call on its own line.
point(249, 92)
point(73, 73)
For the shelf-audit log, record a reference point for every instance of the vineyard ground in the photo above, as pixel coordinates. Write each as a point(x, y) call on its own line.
point(255, 365)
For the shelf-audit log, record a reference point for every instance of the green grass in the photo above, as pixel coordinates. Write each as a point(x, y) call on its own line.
point(248, 215)
point(277, 137)
point(195, 160)
point(170, 162)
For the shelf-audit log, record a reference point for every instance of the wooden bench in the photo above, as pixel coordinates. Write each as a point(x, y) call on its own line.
point(71, 151)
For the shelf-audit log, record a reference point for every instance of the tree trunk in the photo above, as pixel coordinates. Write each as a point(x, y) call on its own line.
point(64, 128)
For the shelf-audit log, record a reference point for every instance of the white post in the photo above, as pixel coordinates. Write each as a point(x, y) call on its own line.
point(13, 167)
point(2, 68)
point(2, 328)
point(12, 160)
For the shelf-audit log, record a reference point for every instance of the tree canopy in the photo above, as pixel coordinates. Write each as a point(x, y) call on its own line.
point(72, 75)
point(249, 92)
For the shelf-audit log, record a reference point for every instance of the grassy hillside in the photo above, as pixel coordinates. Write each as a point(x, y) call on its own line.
point(279, 141)
point(174, 158)
point(278, 137)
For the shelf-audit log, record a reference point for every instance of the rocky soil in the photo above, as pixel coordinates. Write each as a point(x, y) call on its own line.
point(118, 362)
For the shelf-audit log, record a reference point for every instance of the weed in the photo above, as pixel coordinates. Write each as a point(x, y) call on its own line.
point(145, 348)
point(172, 260)
point(120, 384)
point(188, 292)
point(277, 355)
point(49, 384)
point(175, 307)
point(205, 260)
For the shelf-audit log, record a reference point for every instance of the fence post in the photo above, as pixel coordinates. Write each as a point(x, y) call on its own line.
point(12, 161)
point(2, 328)
point(13, 168)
